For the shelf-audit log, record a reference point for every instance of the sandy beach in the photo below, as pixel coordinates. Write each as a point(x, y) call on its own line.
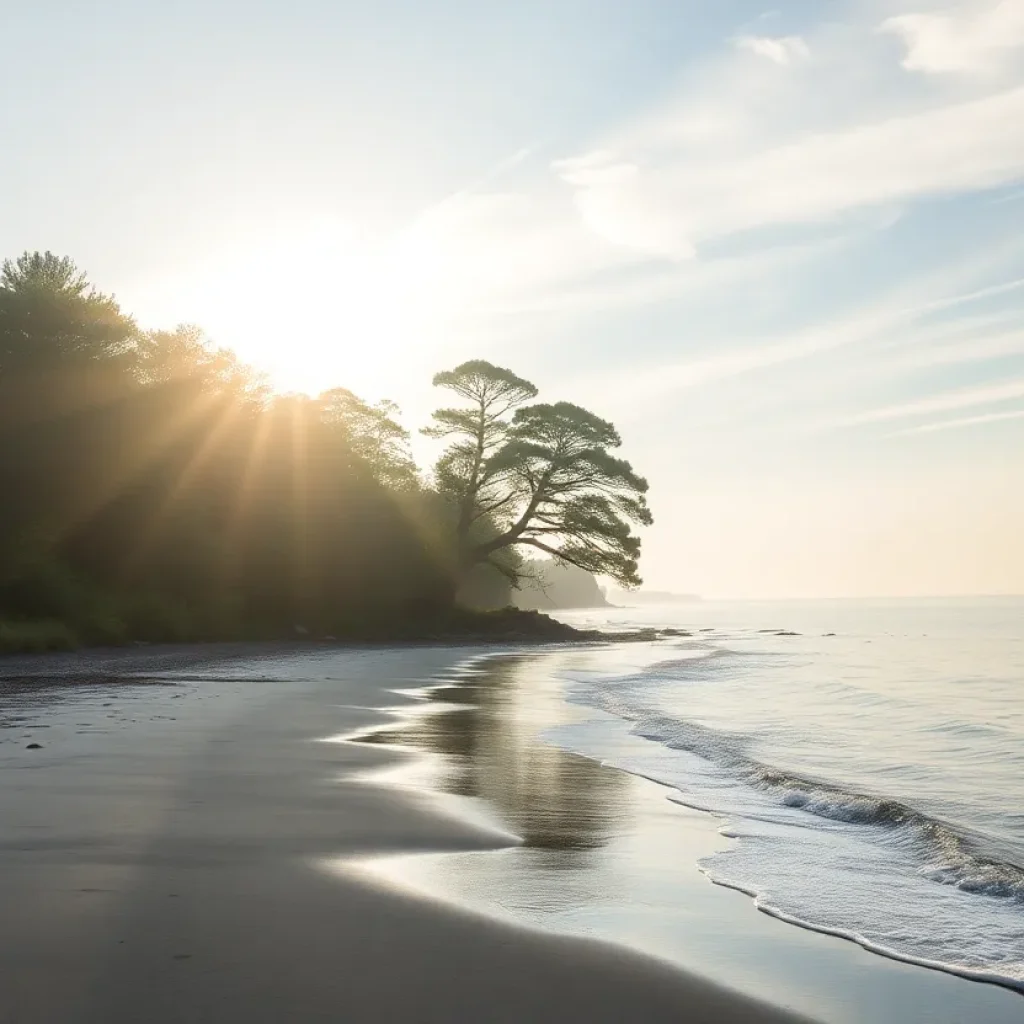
point(163, 852)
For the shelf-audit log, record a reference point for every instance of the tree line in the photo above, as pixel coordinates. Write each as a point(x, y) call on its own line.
point(154, 487)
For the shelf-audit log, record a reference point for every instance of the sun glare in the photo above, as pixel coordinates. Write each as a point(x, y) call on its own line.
point(315, 309)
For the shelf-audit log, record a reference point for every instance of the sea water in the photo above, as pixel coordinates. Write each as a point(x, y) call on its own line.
point(868, 758)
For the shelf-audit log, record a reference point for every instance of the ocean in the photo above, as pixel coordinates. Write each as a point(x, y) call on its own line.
point(866, 758)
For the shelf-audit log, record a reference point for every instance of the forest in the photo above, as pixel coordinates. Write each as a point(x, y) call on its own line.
point(153, 487)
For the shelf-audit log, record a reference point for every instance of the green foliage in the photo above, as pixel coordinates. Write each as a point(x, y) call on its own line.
point(45, 273)
point(34, 637)
point(475, 433)
point(153, 487)
point(543, 477)
point(372, 434)
point(50, 317)
point(38, 586)
point(186, 354)
point(159, 618)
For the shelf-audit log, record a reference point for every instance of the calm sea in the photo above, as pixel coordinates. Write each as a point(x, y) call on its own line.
point(867, 756)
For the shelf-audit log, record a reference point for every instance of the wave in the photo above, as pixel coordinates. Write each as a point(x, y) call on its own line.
point(949, 854)
point(863, 803)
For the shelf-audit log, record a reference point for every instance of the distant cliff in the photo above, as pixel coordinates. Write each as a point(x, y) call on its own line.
point(555, 585)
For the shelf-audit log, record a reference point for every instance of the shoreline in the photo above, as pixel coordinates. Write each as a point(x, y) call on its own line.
point(976, 977)
point(966, 989)
point(156, 863)
point(460, 626)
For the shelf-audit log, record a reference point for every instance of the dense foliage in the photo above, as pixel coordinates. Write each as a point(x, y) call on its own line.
point(153, 487)
point(535, 476)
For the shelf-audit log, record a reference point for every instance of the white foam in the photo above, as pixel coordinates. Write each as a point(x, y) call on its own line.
point(869, 803)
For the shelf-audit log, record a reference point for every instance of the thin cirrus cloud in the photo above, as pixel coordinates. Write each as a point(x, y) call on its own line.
point(629, 220)
point(963, 398)
point(972, 349)
point(787, 130)
point(671, 206)
point(742, 148)
point(964, 421)
point(894, 329)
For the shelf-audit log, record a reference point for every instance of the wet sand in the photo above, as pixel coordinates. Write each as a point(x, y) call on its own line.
point(610, 854)
point(165, 857)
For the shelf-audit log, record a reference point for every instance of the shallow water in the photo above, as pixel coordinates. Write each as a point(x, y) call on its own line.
point(871, 766)
point(584, 848)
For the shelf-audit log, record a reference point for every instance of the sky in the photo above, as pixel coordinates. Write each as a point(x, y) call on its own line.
point(780, 245)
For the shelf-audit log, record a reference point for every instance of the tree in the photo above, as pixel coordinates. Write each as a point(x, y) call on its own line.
point(154, 488)
point(50, 314)
point(539, 476)
point(373, 434)
point(187, 355)
point(478, 432)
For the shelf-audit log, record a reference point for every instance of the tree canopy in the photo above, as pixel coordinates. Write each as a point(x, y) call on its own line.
point(538, 475)
point(155, 487)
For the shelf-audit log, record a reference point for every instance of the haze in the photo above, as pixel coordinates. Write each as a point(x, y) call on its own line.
point(781, 249)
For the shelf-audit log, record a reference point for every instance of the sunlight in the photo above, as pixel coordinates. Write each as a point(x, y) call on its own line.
point(190, 473)
point(314, 308)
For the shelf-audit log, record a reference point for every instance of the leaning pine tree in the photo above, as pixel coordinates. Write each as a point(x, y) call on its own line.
point(535, 476)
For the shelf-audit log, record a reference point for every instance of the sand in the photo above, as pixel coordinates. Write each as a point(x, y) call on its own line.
point(163, 857)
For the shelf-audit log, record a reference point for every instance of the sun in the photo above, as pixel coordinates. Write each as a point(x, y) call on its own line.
point(315, 308)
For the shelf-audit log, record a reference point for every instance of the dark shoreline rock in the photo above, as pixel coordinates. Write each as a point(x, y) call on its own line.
point(130, 664)
point(514, 625)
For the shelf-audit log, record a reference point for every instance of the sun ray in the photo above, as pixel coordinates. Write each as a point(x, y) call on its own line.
point(149, 531)
point(121, 472)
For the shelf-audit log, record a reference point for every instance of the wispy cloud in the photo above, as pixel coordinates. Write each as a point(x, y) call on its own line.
point(973, 349)
point(784, 50)
point(1012, 197)
point(964, 398)
point(743, 162)
point(805, 136)
point(966, 421)
point(988, 292)
point(671, 205)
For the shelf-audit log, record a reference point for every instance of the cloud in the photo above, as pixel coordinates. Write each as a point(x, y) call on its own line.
point(967, 37)
point(766, 352)
point(480, 254)
point(845, 354)
point(740, 148)
point(966, 421)
point(965, 398)
point(670, 205)
point(972, 349)
point(778, 159)
point(782, 50)
point(988, 292)
point(712, 195)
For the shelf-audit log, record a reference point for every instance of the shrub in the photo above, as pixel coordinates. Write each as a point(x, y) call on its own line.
point(35, 636)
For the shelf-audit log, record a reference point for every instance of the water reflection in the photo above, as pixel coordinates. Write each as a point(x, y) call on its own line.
point(486, 728)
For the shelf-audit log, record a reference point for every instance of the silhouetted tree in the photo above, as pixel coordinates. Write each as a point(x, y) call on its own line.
point(538, 476)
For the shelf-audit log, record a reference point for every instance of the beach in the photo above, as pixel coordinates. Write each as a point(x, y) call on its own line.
point(163, 858)
point(375, 835)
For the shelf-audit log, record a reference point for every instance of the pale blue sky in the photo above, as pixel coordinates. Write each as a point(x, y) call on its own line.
point(782, 247)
